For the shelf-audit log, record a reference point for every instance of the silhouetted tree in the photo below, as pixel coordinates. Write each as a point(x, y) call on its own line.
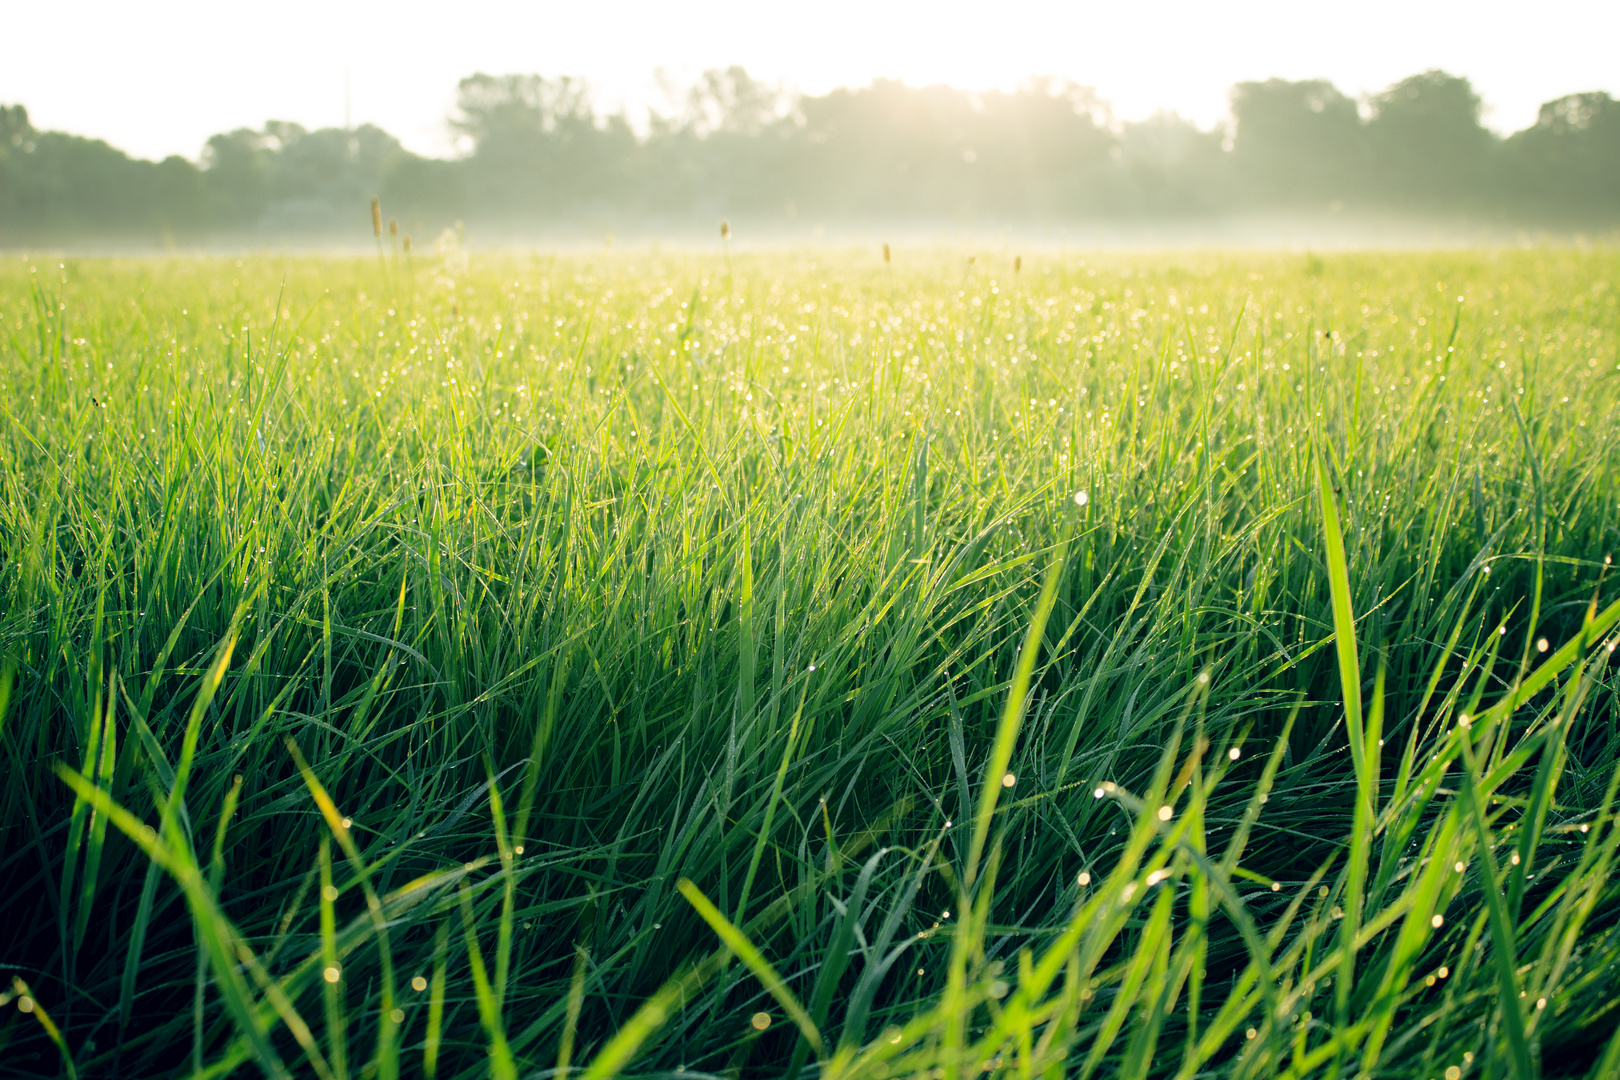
point(538, 145)
point(1428, 147)
point(1296, 143)
point(1568, 164)
point(55, 186)
point(14, 125)
point(1168, 166)
point(541, 151)
point(236, 169)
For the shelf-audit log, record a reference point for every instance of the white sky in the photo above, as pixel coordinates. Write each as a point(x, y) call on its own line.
point(159, 77)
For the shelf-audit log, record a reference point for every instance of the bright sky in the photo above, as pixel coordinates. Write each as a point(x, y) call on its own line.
point(159, 77)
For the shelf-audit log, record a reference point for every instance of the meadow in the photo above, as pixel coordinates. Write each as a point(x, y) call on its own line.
point(810, 663)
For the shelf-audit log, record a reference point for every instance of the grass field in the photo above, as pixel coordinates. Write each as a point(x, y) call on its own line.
point(738, 663)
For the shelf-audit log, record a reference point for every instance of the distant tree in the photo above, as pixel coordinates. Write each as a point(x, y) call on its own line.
point(1567, 165)
point(504, 110)
point(1429, 149)
point(1168, 165)
point(321, 178)
point(425, 193)
point(55, 186)
point(1296, 143)
point(726, 149)
point(236, 170)
point(731, 101)
point(284, 178)
point(538, 151)
point(538, 144)
point(1043, 151)
point(15, 135)
point(1046, 151)
point(179, 199)
point(14, 126)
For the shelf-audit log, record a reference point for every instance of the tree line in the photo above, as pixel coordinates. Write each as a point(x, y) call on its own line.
point(541, 153)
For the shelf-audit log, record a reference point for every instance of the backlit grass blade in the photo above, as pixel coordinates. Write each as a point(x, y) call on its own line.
point(1363, 757)
point(835, 958)
point(501, 1065)
point(8, 677)
point(576, 1001)
point(769, 819)
point(199, 706)
point(387, 1026)
point(331, 972)
point(537, 748)
point(1503, 958)
point(218, 937)
point(103, 774)
point(1344, 622)
point(216, 879)
point(1012, 716)
point(735, 940)
point(29, 1004)
point(503, 940)
point(436, 991)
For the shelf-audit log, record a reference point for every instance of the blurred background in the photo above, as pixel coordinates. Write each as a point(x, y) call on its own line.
point(180, 125)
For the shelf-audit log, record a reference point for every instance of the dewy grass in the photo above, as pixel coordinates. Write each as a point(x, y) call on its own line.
point(634, 664)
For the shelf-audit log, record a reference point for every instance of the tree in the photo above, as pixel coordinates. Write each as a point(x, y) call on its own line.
point(1296, 143)
point(538, 144)
point(733, 102)
point(1170, 166)
point(1429, 149)
point(14, 126)
point(1567, 164)
point(236, 169)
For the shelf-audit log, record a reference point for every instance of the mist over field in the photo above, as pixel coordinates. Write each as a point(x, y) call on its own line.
point(541, 160)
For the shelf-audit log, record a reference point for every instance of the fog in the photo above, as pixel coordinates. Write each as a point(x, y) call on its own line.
point(1299, 163)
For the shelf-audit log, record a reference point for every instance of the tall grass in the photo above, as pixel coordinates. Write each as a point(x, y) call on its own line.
point(638, 664)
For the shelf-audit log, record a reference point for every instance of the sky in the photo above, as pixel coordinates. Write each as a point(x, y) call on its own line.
point(159, 77)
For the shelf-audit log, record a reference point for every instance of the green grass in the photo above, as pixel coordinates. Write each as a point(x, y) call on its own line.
point(644, 663)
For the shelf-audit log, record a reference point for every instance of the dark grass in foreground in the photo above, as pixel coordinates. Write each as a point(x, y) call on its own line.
point(639, 665)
